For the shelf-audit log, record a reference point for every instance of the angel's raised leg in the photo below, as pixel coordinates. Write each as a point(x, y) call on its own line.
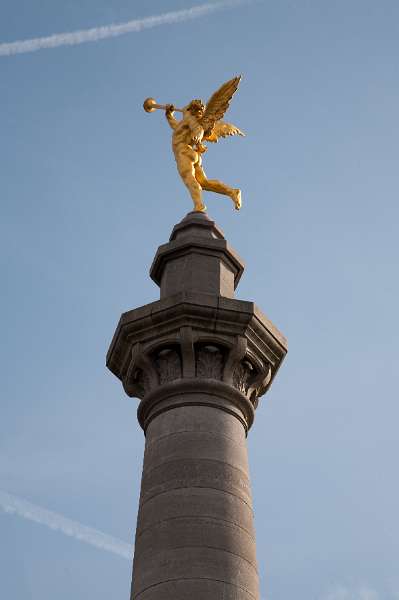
point(214, 185)
point(185, 166)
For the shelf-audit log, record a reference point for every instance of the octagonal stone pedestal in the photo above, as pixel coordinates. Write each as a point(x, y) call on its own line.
point(198, 359)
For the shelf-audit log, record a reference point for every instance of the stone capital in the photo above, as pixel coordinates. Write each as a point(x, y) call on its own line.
point(196, 337)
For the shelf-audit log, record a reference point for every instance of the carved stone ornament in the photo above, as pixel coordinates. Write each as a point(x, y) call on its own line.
point(241, 375)
point(209, 362)
point(251, 381)
point(168, 365)
point(230, 363)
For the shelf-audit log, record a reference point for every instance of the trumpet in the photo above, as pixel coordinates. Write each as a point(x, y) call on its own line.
point(150, 105)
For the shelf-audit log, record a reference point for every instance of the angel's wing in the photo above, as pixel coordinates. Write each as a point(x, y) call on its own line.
point(222, 129)
point(219, 103)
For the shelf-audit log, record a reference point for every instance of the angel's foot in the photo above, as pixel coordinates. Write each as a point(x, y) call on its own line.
point(200, 207)
point(236, 197)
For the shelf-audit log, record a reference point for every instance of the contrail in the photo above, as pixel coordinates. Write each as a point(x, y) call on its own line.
point(100, 33)
point(344, 593)
point(13, 505)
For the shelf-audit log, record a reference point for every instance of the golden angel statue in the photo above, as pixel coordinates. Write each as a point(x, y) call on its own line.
point(200, 123)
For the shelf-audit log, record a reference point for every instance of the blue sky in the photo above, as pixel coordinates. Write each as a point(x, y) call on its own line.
point(89, 190)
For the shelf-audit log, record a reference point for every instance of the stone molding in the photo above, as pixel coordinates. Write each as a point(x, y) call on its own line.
point(194, 392)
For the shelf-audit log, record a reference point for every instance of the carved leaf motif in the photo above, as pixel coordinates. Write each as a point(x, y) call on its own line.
point(210, 363)
point(240, 378)
point(168, 365)
point(140, 382)
point(137, 384)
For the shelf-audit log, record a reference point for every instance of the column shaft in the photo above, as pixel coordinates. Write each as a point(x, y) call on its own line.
point(195, 535)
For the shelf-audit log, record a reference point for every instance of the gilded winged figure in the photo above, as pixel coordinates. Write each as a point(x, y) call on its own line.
point(201, 123)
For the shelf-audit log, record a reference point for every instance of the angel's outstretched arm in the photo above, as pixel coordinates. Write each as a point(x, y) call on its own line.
point(170, 118)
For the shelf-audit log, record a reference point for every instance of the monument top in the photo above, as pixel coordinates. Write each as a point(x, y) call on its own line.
point(197, 272)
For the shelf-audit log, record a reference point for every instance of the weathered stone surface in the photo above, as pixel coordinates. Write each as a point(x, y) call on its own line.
point(196, 589)
point(196, 503)
point(183, 532)
point(191, 562)
point(190, 445)
point(199, 360)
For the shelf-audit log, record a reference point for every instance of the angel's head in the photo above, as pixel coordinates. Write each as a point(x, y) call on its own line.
point(196, 108)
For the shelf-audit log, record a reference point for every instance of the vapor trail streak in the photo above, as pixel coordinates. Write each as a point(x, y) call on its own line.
point(13, 505)
point(100, 33)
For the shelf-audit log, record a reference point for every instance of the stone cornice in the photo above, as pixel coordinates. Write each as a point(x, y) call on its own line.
point(209, 315)
point(196, 336)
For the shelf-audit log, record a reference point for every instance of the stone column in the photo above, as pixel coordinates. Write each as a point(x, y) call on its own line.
point(199, 360)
